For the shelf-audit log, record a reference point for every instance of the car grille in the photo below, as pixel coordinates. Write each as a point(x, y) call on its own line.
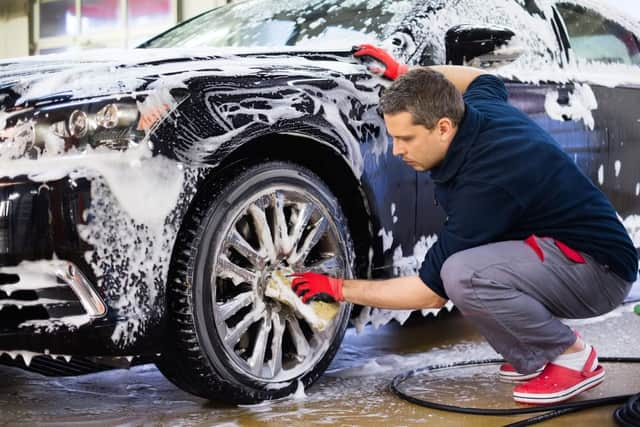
point(45, 294)
point(53, 366)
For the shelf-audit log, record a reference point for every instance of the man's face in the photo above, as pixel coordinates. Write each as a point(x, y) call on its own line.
point(419, 147)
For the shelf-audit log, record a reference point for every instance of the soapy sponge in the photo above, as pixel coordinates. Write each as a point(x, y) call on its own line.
point(318, 314)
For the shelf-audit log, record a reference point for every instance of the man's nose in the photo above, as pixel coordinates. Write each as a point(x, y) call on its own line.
point(397, 148)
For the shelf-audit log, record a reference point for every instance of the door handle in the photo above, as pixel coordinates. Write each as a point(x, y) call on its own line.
point(564, 95)
point(564, 100)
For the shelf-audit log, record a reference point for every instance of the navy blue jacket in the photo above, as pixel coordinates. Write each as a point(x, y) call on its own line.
point(505, 178)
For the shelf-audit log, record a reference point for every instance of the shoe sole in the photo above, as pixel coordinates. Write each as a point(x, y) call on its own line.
point(547, 398)
point(514, 377)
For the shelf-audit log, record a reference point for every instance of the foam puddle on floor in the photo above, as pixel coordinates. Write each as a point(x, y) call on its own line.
point(354, 391)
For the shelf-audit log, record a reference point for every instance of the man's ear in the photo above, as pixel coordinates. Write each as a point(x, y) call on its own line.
point(445, 128)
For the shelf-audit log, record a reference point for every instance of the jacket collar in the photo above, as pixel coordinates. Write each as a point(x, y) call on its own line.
point(465, 137)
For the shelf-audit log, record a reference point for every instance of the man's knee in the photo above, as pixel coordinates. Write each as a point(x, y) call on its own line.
point(456, 277)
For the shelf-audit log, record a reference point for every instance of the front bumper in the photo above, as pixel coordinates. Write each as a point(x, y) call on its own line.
point(46, 286)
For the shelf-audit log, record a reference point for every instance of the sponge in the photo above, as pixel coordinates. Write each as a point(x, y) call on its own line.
point(318, 314)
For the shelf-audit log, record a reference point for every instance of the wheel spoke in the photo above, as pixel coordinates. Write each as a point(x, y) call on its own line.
point(234, 335)
point(320, 337)
point(234, 272)
point(263, 232)
point(239, 243)
point(256, 361)
point(299, 340)
point(275, 364)
point(302, 219)
point(237, 303)
point(280, 232)
point(314, 236)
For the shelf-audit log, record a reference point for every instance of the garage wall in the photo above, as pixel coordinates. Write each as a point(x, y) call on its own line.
point(14, 28)
point(192, 8)
point(15, 23)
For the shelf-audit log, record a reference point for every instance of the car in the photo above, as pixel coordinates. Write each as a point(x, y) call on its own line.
point(148, 196)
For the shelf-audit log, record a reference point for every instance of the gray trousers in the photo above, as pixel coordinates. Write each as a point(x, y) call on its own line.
point(515, 299)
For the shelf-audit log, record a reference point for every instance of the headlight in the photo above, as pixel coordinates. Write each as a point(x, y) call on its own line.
point(107, 117)
point(116, 124)
point(78, 124)
point(117, 115)
point(57, 129)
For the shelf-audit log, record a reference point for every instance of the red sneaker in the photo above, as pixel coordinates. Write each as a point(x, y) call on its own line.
point(557, 383)
point(508, 374)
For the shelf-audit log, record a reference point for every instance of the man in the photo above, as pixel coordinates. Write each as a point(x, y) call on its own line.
point(528, 238)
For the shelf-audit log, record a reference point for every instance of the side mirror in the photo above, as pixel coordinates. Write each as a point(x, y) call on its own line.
point(480, 46)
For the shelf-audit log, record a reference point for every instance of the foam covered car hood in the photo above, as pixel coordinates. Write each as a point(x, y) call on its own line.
point(33, 80)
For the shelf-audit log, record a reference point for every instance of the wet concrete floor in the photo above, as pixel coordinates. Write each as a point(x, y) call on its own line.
point(354, 391)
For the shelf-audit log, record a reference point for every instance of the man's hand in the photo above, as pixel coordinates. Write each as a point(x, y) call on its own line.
point(392, 68)
point(317, 287)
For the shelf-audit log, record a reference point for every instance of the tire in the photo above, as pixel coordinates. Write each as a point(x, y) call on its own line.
point(227, 341)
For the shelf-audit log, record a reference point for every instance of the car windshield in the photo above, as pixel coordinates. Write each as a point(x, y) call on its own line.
point(273, 23)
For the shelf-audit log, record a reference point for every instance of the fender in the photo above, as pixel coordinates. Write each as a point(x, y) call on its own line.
point(221, 114)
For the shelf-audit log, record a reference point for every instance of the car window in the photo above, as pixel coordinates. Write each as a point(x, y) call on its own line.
point(595, 38)
point(274, 23)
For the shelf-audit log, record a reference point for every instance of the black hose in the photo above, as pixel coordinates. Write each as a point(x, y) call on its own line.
point(627, 415)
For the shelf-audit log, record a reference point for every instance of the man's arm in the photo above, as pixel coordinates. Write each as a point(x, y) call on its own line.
point(460, 76)
point(402, 293)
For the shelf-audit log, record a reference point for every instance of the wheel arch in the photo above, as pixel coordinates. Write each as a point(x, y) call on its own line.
point(316, 155)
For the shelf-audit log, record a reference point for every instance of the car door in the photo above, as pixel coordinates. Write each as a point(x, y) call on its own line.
point(563, 107)
point(391, 185)
point(605, 53)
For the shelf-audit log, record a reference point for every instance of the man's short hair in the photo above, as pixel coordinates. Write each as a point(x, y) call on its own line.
point(427, 95)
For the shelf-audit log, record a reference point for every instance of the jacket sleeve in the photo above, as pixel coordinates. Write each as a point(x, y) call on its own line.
point(486, 87)
point(478, 214)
